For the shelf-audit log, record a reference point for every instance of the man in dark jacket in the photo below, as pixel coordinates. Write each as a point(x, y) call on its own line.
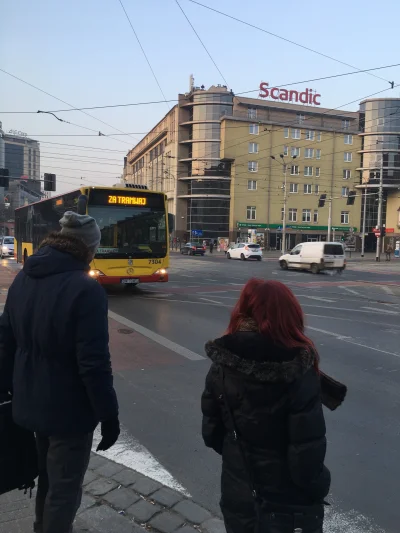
point(55, 360)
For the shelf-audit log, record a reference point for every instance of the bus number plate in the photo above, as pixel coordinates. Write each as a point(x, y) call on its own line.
point(130, 280)
point(154, 261)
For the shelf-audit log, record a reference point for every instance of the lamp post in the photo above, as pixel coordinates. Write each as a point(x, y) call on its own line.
point(284, 165)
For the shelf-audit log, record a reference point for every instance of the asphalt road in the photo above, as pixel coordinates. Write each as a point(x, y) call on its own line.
point(354, 320)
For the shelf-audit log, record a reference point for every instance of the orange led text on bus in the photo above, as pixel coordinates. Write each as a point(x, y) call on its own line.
point(126, 200)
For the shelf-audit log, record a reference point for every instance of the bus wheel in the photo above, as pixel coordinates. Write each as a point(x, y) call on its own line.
point(25, 256)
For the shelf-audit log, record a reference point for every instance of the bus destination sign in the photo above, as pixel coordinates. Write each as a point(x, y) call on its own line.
point(126, 200)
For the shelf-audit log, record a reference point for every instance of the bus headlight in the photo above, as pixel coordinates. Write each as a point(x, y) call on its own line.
point(161, 271)
point(95, 273)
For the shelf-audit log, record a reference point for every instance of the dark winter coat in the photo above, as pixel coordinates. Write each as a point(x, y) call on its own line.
point(54, 343)
point(275, 398)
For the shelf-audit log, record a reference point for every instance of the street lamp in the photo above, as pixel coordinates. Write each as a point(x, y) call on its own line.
point(284, 165)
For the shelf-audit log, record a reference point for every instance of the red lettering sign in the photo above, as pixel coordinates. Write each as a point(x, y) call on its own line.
point(276, 93)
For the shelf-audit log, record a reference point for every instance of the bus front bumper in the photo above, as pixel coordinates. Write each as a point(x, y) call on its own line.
point(132, 280)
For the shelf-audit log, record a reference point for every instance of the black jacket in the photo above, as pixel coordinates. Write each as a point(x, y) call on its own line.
point(274, 395)
point(54, 343)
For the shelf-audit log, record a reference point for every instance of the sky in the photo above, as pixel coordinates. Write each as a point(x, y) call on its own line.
point(86, 54)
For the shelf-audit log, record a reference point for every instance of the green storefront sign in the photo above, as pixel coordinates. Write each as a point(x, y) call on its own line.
point(250, 225)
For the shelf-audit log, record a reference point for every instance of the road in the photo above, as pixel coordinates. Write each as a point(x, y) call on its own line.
point(353, 319)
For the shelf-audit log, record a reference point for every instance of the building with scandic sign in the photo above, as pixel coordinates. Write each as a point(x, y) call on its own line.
point(221, 161)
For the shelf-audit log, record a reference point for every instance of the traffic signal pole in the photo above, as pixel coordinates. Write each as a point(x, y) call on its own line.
point(379, 221)
point(329, 219)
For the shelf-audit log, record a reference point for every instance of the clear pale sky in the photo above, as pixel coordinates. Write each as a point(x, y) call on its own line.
point(85, 53)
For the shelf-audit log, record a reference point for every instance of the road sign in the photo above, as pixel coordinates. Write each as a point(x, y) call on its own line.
point(197, 232)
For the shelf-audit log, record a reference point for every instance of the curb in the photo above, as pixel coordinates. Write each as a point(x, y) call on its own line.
point(118, 499)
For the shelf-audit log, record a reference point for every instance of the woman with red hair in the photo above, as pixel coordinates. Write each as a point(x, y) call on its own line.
point(262, 411)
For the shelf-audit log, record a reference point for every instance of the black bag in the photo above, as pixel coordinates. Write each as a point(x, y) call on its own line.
point(271, 518)
point(18, 455)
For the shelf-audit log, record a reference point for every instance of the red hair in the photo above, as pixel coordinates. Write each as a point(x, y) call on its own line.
point(275, 310)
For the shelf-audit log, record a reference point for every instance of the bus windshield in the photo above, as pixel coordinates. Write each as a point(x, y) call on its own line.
point(130, 231)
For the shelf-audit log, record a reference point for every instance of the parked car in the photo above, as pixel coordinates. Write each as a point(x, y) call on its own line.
point(244, 251)
point(315, 256)
point(7, 247)
point(193, 248)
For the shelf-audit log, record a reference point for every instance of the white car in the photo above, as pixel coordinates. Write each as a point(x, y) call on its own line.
point(7, 247)
point(315, 256)
point(244, 251)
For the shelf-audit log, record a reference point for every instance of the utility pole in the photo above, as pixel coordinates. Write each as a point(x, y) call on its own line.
point(363, 223)
point(379, 221)
point(284, 210)
point(329, 219)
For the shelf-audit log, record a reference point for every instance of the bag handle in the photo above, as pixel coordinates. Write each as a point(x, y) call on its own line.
point(236, 436)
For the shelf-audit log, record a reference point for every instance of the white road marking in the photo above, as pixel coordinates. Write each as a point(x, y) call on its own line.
point(129, 452)
point(386, 311)
point(351, 341)
point(223, 297)
point(207, 279)
point(235, 283)
point(177, 348)
point(346, 319)
point(315, 298)
point(212, 301)
point(387, 289)
point(349, 290)
point(187, 276)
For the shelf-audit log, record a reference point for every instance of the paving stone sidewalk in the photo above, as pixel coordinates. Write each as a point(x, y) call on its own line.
point(118, 500)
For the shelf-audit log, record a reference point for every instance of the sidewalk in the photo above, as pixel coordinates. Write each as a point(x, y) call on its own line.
point(118, 500)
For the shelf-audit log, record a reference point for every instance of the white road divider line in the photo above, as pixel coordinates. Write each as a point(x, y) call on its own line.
point(362, 310)
point(129, 452)
point(212, 301)
point(387, 289)
point(315, 298)
point(386, 311)
point(344, 338)
point(177, 348)
point(349, 290)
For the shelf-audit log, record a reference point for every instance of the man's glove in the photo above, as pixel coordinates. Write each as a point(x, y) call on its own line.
point(110, 432)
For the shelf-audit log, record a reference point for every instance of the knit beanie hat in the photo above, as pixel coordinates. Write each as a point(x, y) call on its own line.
point(82, 227)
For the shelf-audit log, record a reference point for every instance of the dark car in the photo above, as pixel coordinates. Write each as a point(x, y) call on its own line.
point(193, 248)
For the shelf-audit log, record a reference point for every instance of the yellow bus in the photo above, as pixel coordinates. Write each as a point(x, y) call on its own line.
point(134, 225)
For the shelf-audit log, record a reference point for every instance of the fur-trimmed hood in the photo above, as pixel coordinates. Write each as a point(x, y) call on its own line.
point(252, 354)
point(58, 253)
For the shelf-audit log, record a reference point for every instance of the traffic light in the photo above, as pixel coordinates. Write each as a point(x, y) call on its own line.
point(351, 198)
point(49, 182)
point(4, 179)
point(321, 201)
point(383, 231)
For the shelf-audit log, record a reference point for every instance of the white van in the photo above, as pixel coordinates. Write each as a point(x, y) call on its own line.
point(315, 256)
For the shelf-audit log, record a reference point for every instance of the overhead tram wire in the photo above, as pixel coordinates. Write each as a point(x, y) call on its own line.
point(144, 53)
point(174, 100)
point(282, 38)
point(202, 43)
point(64, 102)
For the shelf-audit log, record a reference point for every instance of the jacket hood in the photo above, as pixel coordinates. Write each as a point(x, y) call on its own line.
point(57, 253)
point(254, 355)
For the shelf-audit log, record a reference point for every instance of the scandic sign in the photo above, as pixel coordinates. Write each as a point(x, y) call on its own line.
point(284, 95)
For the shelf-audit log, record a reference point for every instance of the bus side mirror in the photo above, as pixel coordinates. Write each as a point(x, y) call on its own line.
point(82, 204)
point(171, 222)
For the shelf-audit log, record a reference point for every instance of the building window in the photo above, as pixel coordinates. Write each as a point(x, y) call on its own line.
point(296, 134)
point(252, 166)
point(300, 118)
point(317, 172)
point(348, 157)
point(253, 148)
point(292, 214)
point(286, 150)
point(252, 113)
point(348, 139)
point(318, 153)
point(282, 213)
point(319, 136)
point(251, 213)
point(253, 129)
point(308, 171)
point(316, 189)
point(295, 152)
point(310, 135)
point(345, 124)
point(344, 217)
point(294, 170)
point(315, 216)
point(308, 153)
point(307, 188)
point(306, 215)
point(252, 185)
point(346, 174)
point(345, 191)
point(286, 133)
point(294, 188)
